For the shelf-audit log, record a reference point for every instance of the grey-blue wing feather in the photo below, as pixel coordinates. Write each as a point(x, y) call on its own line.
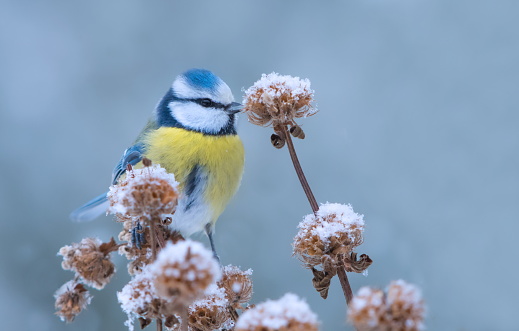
point(131, 155)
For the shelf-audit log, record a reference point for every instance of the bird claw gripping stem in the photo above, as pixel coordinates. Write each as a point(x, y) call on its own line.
point(138, 236)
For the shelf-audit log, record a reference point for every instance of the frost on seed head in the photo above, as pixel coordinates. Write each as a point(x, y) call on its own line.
point(210, 312)
point(288, 314)
point(139, 300)
point(237, 285)
point(277, 100)
point(333, 229)
point(90, 260)
point(183, 271)
point(149, 191)
point(71, 299)
point(400, 309)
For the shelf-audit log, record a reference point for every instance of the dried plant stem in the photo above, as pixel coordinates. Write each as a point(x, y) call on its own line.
point(184, 316)
point(153, 238)
point(299, 171)
point(345, 284)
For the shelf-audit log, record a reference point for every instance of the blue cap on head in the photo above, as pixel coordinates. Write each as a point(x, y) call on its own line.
point(202, 78)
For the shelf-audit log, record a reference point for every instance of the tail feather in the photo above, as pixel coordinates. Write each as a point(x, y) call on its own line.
point(91, 210)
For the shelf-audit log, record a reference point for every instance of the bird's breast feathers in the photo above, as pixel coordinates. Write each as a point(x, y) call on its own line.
point(219, 159)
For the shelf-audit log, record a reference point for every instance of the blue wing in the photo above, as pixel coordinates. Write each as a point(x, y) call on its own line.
point(97, 206)
point(131, 155)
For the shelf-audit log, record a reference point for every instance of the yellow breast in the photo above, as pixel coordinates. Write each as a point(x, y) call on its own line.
point(221, 157)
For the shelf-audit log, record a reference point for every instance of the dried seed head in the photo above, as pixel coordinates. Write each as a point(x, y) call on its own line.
point(210, 313)
point(277, 100)
point(367, 310)
point(401, 309)
point(237, 285)
point(149, 192)
point(90, 260)
point(406, 306)
point(286, 314)
point(334, 229)
point(71, 299)
point(139, 300)
point(183, 271)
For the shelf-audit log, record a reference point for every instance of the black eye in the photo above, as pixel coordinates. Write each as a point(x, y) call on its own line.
point(206, 103)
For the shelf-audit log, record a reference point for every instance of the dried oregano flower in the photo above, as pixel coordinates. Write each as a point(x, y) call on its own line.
point(277, 100)
point(90, 260)
point(334, 229)
point(286, 314)
point(210, 312)
point(183, 271)
point(401, 309)
point(237, 285)
point(148, 192)
point(139, 299)
point(71, 299)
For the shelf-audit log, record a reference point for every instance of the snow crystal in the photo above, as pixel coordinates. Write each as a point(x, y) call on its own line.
point(277, 314)
point(343, 220)
point(178, 254)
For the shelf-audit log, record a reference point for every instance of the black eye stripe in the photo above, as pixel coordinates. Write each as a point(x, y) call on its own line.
point(204, 102)
point(208, 103)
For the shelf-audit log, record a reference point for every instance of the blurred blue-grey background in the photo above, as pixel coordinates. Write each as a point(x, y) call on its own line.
point(418, 130)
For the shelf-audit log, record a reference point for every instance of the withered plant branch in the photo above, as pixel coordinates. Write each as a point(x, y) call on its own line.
point(184, 318)
point(299, 171)
point(159, 324)
point(341, 272)
point(345, 284)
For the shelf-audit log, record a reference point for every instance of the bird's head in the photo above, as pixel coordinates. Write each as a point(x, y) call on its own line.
point(199, 100)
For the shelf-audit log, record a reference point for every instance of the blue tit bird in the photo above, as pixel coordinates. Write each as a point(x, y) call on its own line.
point(191, 134)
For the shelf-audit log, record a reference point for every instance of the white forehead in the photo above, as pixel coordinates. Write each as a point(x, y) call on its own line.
point(219, 92)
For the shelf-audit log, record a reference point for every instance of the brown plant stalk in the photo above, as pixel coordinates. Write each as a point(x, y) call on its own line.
point(341, 272)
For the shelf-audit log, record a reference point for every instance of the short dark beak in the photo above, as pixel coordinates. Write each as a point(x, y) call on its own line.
point(233, 108)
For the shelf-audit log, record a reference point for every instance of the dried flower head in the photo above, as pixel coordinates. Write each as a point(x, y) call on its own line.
point(183, 271)
point(139, 299)
point(367, 310)
point(149, 192)
point(286, 314)
point(211, 312)
point(71, 299)
point(277, 100)
point(334, 229)
point(406, 306)
point(401, 309)
point(90, 260)
point(237, 285)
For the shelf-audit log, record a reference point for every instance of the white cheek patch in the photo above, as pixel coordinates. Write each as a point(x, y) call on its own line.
point(194, 116)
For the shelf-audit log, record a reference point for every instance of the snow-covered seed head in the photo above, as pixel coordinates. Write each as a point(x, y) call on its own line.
point(71, 299)
point(149, 192)
point(237, 285)
point(90, 260)
point(183, 271)
point(401, 309)
point(139, 299)
point(277, 100)
point(406, 306)
point(367, 310)
point(286, 314)
point(211, 312)
point(333, 229)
